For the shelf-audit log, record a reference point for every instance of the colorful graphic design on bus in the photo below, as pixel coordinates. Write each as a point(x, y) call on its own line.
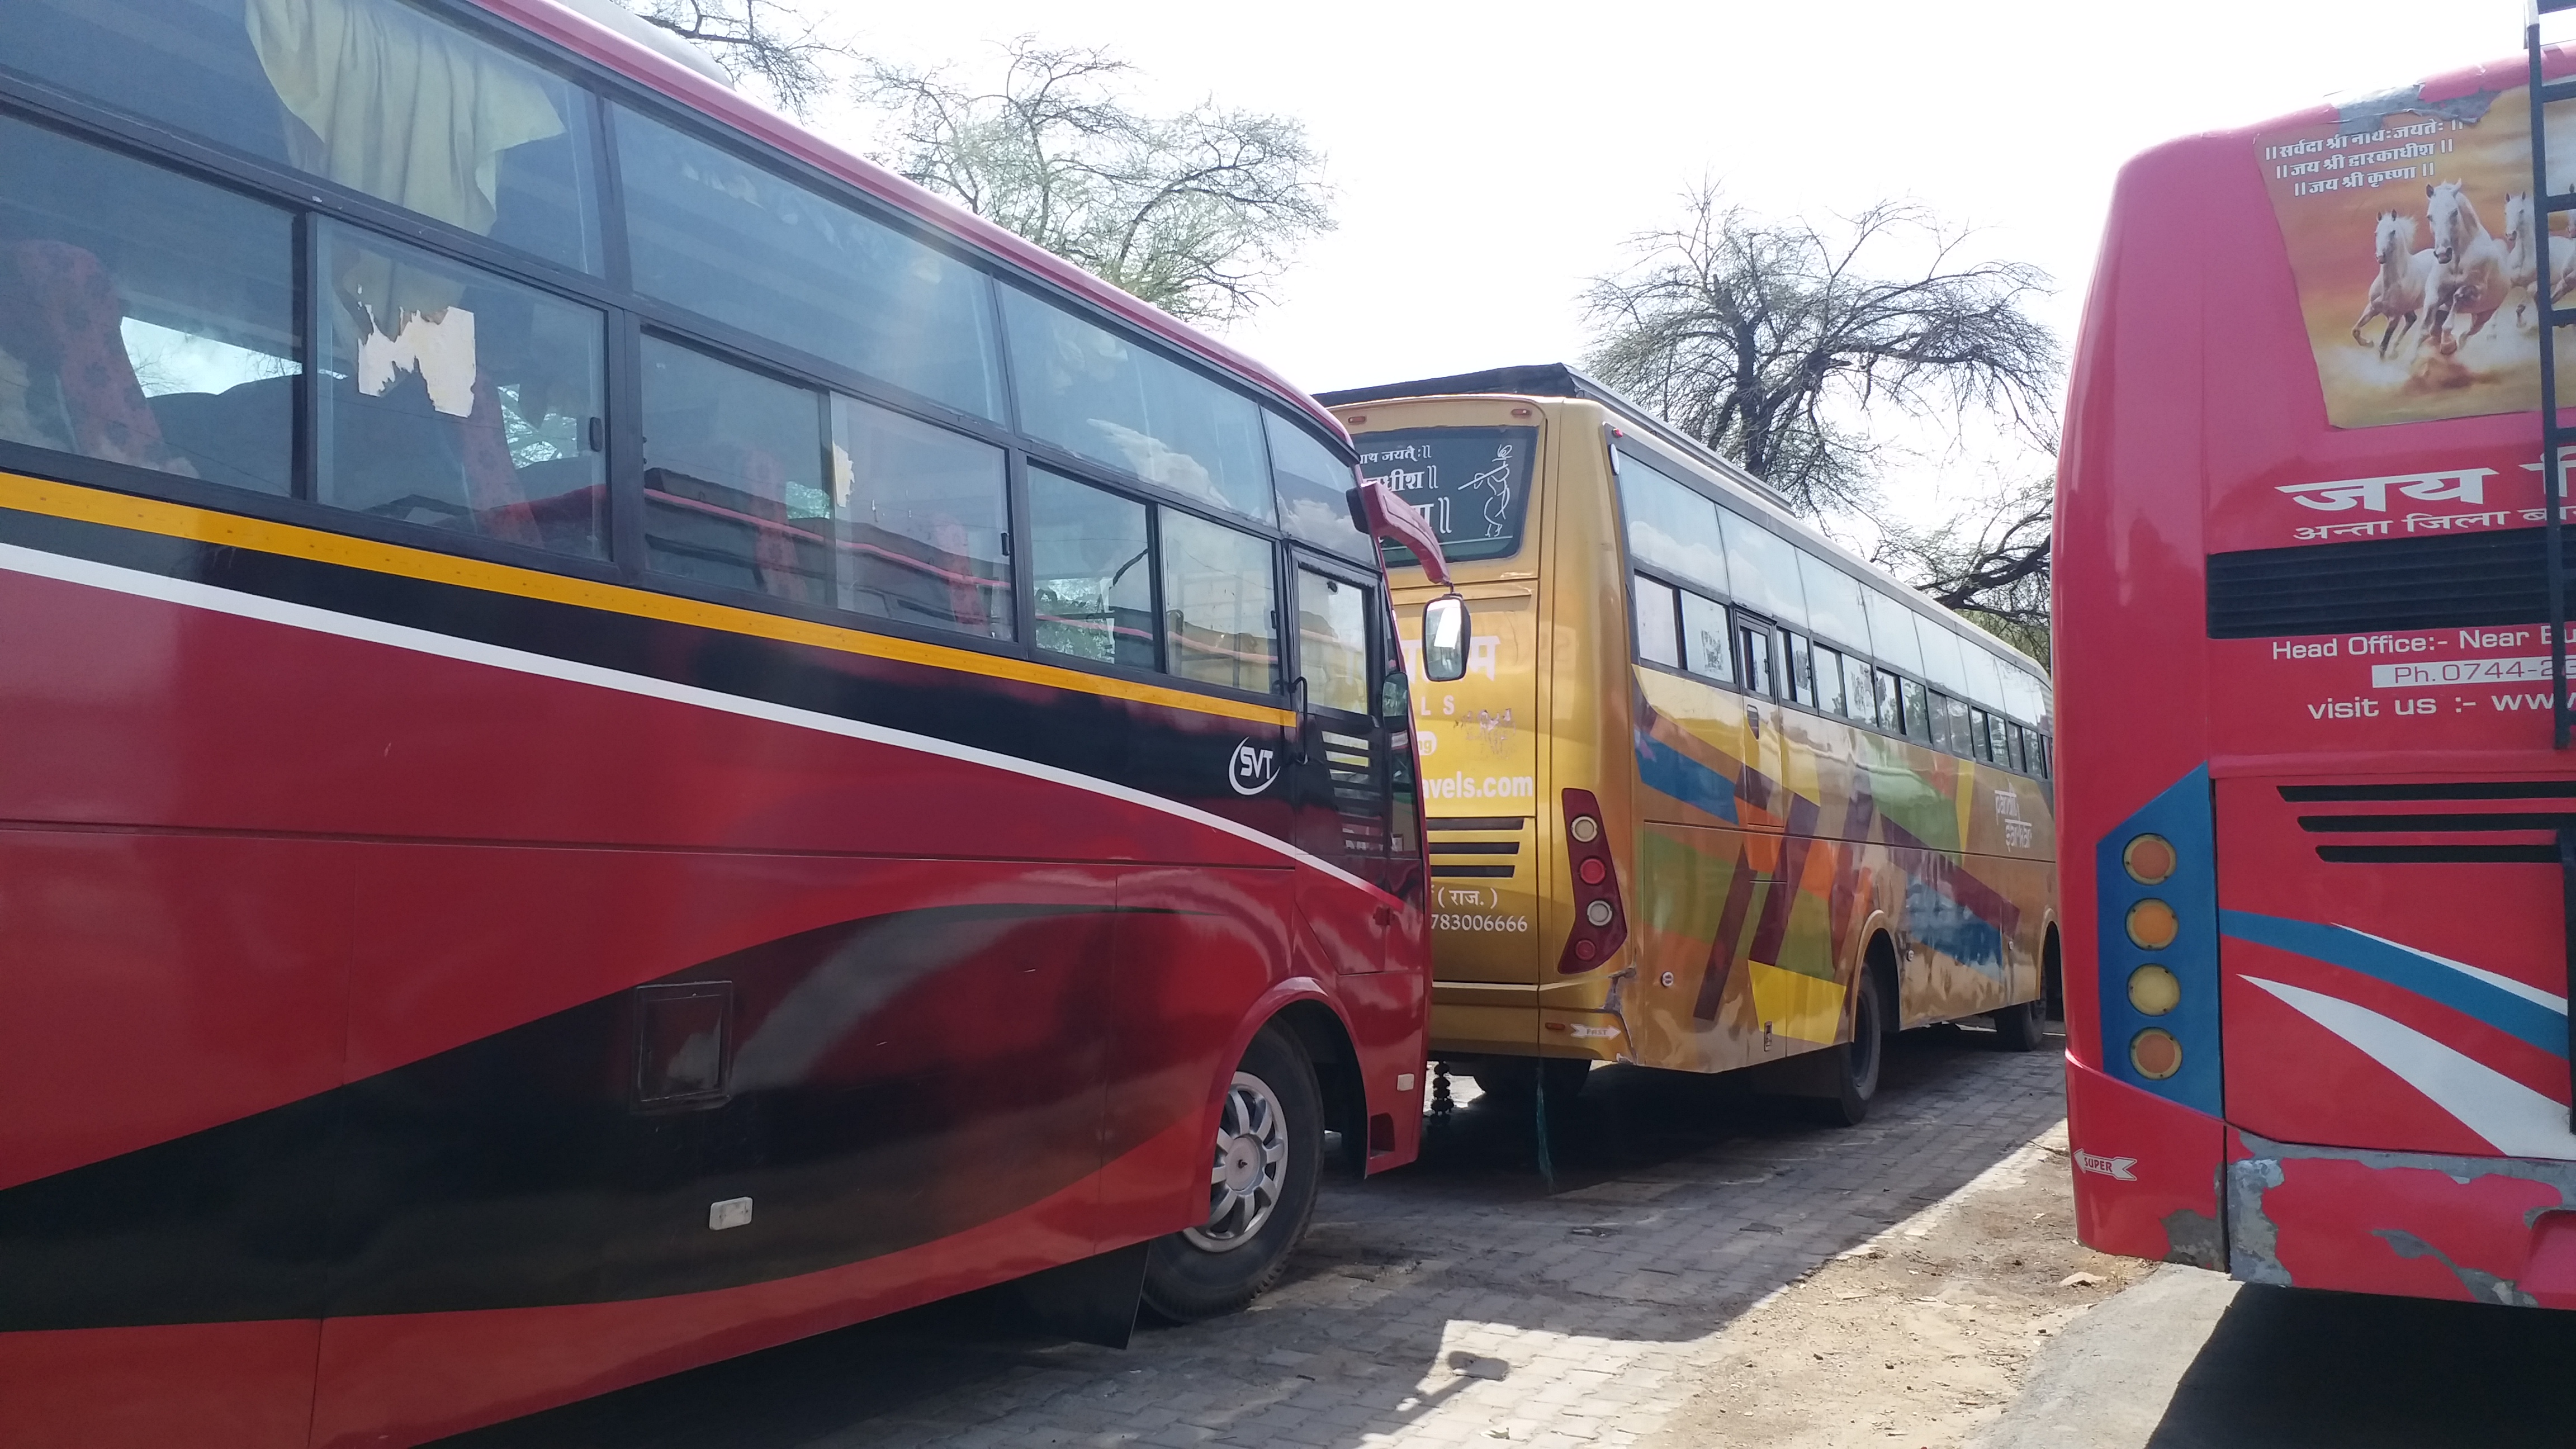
point(2412, 235)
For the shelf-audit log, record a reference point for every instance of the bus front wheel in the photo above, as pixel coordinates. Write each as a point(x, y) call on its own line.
point(2022, 1028)
point(1267, 1163)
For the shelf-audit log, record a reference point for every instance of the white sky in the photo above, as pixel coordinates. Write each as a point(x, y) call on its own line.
point(1489, 159)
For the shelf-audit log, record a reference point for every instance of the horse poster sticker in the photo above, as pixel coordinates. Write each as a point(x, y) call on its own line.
point(2410, 231)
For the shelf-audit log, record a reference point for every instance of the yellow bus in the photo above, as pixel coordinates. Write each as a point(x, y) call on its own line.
point(1714, 793)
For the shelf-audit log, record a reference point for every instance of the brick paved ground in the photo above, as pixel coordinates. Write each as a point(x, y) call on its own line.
point(1455, 1302)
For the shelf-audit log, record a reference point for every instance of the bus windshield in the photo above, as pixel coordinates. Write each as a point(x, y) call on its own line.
point(1473, 482)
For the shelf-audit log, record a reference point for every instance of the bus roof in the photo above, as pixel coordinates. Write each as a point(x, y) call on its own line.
point(1557, 380)
point(674, 76)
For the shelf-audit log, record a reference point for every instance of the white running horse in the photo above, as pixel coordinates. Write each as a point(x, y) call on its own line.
point(2470, 272)
point(2522, 259)
point(2405, 275)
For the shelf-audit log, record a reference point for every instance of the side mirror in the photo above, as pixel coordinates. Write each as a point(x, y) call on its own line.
point(1444, 638)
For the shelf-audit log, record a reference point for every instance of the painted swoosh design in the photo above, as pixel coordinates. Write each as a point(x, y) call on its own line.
point(2513, 1118)
point(1670, 772)
point(2520, 1011)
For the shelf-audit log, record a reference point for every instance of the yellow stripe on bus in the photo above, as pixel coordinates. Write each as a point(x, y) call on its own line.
point(148, 515)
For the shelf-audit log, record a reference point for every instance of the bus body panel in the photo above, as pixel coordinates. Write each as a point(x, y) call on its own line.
point(1758, 847)
point(447, 1108)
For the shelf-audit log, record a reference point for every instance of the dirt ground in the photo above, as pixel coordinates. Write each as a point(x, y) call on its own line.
point(1917, 1338)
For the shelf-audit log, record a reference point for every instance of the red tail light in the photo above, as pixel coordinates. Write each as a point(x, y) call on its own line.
point(1600, 923)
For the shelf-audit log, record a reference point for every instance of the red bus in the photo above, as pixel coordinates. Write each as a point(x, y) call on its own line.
point(627, 739)
point(2318, 974)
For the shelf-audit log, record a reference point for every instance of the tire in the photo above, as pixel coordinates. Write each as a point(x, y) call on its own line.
point(2022, 1028)
point(1515, 1080)
point(1857, 1061)
point(1267, 1163)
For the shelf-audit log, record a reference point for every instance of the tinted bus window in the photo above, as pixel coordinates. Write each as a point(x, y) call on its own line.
point(1944, 659)
point(1314, 489)
point(1089, 391)
point(734, 478)
point(1830, 696)
point(1332, 642)
point(1918, 711)
point(1220, 605)
point(1657, 643)
point(1764, 567)
point(1753, 642)
point(922, 514)
point(1797, 669)
point(1891, 632)
point(457, 400)
point(1671, 527)
point(1473, 482)
point(1095, 581)
point(144, 319)
point(372, 94)
point(718, 235)
point(1889, 693)
point(1859, 697)
point(1835, 602)
point(1704, 647)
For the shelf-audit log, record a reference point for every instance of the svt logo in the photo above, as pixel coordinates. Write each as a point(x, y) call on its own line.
point(1252, 769)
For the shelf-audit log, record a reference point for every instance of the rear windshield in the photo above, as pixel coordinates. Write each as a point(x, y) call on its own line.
point(1473, 482)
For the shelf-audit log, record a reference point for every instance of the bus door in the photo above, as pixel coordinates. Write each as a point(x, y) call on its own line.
point(1340, 769)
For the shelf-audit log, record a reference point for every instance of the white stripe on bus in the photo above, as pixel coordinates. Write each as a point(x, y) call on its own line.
point(190, 594)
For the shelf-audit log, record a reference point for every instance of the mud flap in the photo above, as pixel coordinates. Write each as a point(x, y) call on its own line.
point(1089, 1300)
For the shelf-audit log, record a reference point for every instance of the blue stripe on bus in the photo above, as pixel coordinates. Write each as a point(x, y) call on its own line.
point(2407, 970)
point(1668, 771)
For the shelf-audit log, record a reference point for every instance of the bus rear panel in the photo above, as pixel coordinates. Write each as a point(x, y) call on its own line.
point(2318, 997)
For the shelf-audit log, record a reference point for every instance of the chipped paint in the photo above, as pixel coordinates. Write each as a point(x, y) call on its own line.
point(2462, 1170)
point(2483, 1286)
point(2253, 1240)
point(2195, 1239)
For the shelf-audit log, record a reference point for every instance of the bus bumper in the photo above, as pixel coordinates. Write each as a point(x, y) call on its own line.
point(2420, 1225)
point(2146, 1171)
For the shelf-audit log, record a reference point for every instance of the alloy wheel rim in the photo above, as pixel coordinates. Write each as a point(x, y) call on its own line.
point(1249, 1168)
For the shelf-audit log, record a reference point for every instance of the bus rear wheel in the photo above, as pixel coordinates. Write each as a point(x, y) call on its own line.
point(1262, 1178)
point(1856, 1062)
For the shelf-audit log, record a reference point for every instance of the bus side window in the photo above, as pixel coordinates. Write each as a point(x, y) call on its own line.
point(735, 485)
point(1918, 711)
point(1755, 642)
point(1095, 583)
point(1797, 670)
point(1657, 639)
point(1704, 650)
point(1890, 693)
point(2019, 759)
point(1829, 681)
point(1942, 737)
point(1332, 641)
point(1220, 604)
point(145, 319)
point(2044, 754)
point(1981, 733)
point(1860, 696)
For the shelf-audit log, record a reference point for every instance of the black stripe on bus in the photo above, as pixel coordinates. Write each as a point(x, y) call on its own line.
point(1479, 822)
point(2433, 582)
point(2439, 854)
point(2433, 824)
point(1477, 872)
point(1475, 847)
point(2455, 790)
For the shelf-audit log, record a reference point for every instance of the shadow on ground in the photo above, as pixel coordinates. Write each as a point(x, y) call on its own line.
point(1676, 1202)
point(2290, 1368)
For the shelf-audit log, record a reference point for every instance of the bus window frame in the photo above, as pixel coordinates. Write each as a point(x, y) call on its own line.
point(317, 203)
point(1292, 659)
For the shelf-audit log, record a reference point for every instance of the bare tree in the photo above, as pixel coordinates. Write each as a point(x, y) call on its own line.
point(1197, 212)
point(771, 44)
point(1772, 341)
point(1990, 562)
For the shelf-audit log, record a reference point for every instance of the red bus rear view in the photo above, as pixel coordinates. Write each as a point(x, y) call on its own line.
point(2312, 746)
